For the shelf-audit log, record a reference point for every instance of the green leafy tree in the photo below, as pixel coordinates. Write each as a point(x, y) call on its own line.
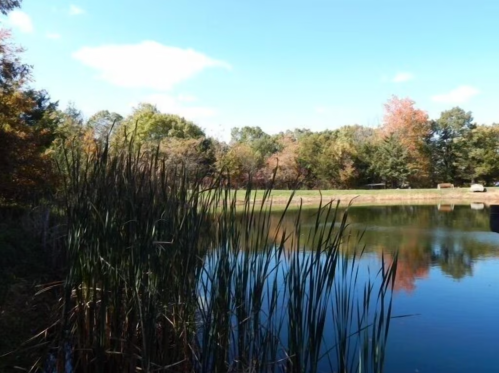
point(316, 156)
point(104, 123)
point(150, 125)
point(262, 144)
point(391, 162)
point(450, 135)
point(478, 155)
point(352, 143)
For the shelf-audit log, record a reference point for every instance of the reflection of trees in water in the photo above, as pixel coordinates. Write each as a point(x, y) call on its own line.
point(453, 262)
point(494, 218)
point(460, 218)
point(408, 271)
point(423, 236)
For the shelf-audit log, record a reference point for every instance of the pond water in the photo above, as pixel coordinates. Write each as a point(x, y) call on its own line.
point(448, 279)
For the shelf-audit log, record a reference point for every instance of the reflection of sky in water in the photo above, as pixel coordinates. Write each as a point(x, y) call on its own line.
point(448, 275)
point(456, 328)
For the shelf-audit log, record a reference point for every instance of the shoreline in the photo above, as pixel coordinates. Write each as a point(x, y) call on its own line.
point(454, 196)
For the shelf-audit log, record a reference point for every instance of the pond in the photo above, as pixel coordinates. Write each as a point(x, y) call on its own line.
point(257, 301)
point(447, 280)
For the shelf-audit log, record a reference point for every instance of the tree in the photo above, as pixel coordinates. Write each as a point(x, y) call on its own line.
point(150, 125)
point(104, 123)
point(27, 122)
point(290, 174)
point(196, 156)
point(451, 133)
point(352, 144)
point(7, 5)
point(412, 128)
point(316, 157)
point(478, 155)
point(241, 162)
point(391, 162)
point(262, 143)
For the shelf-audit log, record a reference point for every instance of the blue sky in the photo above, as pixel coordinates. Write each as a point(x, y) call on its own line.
point(277, 64)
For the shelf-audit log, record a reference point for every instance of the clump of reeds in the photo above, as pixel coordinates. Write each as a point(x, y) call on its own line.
point(165, 274)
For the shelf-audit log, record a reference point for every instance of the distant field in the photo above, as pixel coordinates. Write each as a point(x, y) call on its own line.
point(382, 196)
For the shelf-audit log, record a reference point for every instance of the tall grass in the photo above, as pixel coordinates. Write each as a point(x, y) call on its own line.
point(165, 274)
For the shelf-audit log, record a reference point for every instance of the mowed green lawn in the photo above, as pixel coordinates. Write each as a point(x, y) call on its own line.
point(363, 195)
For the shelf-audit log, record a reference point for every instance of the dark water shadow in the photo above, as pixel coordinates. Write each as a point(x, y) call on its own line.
point(494, 218)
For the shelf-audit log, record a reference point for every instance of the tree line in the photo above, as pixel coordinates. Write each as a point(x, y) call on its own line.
point(407, 149)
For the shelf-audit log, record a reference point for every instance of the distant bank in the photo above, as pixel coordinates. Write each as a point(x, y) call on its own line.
point(385, 196)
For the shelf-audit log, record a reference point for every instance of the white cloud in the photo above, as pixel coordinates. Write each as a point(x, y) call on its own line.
point(457, 96)
point(53, 35)
point(145, 65)
point(402, 77)
point(175, 105)
point(21, 21)
point(75, 10)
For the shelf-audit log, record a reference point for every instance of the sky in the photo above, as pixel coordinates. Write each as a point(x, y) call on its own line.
point(317, 64)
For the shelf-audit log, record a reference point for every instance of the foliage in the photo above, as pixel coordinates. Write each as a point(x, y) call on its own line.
point(261, 143)
point(450, 137)
point(285, 165)
point(412, 128)
point(195, 156)
point(27, 123)
point(477, 157)
point(150, 125)
point(7, 5)
point(315, 156)
point(241, 162)
point(392, 162)
point(104, 124)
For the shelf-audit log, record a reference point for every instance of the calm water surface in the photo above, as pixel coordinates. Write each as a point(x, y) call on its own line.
point(448, 278)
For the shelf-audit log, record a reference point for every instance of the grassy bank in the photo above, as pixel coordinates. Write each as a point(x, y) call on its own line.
point(384, 196)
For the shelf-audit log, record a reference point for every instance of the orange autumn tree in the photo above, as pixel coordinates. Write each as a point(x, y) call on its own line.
point(284, 163)
point(411, 127)
point(26, 128)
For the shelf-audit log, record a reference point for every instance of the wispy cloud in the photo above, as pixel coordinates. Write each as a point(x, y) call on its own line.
point(20, 21)
point(75, 10)
point(53, 35)
point(402, 77)
point(457, 96)
point(146, 65)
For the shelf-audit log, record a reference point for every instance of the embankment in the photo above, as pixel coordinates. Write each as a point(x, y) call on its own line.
point(385, 196)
